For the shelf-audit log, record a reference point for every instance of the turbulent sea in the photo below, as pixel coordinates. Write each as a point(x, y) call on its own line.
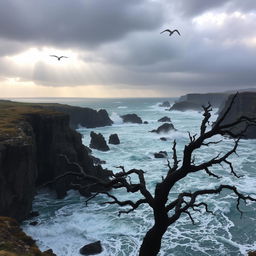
point(67, 225)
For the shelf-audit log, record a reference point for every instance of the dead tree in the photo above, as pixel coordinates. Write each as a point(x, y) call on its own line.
point(167, 210)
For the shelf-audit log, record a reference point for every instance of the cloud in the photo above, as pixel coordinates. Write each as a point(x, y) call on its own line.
point(76, 23)
point(118, 44)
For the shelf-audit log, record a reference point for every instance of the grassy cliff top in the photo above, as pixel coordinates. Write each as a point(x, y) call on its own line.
point(12, 115)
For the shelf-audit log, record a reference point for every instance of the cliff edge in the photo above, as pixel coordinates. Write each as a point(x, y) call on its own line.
point(36, 146)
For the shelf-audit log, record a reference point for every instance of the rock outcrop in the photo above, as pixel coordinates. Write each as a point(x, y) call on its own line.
point(114, 139)
point(164, 119)
point(160, 154)
point(98, 142)
point(36, 146)
point(164, 128)
point(14, 242)
point(194, 101)
point(244, 105)
point(131, 118)
point(186, 105)
point(85, 117)
point(91, 249)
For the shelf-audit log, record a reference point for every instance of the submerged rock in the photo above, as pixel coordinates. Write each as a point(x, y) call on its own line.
point(91, 249)
point(113, 139)
point(164, 119)
point(98, 142)
point(164, 128)
point(131, 118)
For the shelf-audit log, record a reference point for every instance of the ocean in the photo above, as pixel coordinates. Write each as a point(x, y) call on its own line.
point(68, 224)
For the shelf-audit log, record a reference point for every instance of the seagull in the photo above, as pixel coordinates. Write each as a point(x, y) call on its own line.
point(170, 31)
point(58, 57)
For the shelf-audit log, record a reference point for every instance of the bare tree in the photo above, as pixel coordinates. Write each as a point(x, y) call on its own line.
point(165, 209)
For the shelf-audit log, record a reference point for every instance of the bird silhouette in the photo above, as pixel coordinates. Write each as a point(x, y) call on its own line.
point(171, 31)
point(58, 57)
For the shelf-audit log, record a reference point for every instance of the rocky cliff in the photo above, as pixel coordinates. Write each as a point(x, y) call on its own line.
point(37, 145)
point(79, 116)
point(194, 101)
point(244, 105)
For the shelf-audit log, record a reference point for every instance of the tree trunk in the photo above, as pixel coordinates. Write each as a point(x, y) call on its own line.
point(152, 241)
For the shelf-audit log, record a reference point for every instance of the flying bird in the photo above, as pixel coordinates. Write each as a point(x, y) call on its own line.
point(170, 31)
point(58, 57)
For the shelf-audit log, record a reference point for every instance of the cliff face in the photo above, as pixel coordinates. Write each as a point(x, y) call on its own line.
point(17, 178)
point(244, 105)
point(35, 147)
point(194, 101)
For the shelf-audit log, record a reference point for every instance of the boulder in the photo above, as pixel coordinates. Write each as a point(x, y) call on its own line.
point(163, 139)
point(98, 142)
point(164, 128)
point(165, 104)
point(131, 118)
point(164, 119)
point(91, 249)
point(113, 139)
point(145, 122)
point(160, 154)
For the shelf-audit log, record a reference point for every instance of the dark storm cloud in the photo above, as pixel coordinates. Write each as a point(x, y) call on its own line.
point(196, 7)
point(120, 44)
point(81, 23)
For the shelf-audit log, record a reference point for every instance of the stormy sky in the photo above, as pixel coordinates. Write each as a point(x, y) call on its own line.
point(115, 48)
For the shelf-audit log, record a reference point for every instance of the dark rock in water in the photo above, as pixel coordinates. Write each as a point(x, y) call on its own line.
point(131, 118)
point(160, 154)
point(186, 105)
point(164, 119)
point(164, 128)
point(33, 223)
point(165, 104)
point(91, 249)
point(163, 139)
point(113, 139)
point(145, 122)
point(98, 142)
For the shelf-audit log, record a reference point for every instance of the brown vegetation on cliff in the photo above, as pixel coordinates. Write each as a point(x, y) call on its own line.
point(14, 242)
